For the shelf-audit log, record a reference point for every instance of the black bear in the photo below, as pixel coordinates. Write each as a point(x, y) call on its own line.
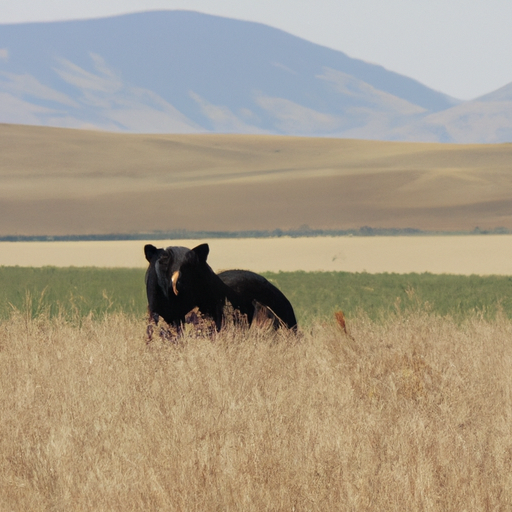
point(248, 292)
point(179, 279)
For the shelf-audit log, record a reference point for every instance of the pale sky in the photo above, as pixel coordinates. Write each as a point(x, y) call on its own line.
point(460, 47)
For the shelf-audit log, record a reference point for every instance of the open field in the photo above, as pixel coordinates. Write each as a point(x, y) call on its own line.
point(90, 292)
point(62, 182)
point(475, 254)
point(410, 414)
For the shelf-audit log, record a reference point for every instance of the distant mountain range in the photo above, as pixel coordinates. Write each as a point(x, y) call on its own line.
point(185, 72)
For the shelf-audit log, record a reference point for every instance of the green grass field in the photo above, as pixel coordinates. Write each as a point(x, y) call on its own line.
point(78, 292)
point(318, 294)
point(72, 291)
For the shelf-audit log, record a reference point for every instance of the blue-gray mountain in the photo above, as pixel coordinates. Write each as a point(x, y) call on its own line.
point(185, 72)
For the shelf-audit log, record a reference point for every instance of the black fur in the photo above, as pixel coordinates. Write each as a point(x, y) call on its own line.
point(245, 290)
point(251, 285)
point(162, 302)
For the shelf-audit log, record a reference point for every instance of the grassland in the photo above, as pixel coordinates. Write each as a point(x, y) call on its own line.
point(71, 182)
point(81, 292)
point(409, 413)
point(410, 410)
point(72, 292)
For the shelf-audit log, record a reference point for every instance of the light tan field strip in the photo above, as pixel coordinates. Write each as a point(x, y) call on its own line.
point(482, 255)
point(61, 182)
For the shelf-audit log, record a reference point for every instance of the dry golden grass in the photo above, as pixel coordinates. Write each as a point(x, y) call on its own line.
point(61, 182)
point(412, 415)
point(475, 254)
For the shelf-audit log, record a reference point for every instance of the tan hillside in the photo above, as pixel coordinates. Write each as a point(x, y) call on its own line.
point(58, 181)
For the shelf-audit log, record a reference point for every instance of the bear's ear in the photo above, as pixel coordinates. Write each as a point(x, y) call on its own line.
point(201, 252)
point(150, 251)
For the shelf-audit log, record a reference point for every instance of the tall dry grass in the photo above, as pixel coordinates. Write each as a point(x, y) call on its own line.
point(413, 414)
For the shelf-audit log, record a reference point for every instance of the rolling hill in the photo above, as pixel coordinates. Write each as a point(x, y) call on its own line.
point(78, 182)
point(186, 72)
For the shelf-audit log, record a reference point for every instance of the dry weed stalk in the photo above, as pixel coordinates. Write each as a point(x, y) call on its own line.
point(415, 415)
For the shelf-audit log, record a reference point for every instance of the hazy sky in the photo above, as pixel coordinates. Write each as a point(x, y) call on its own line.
point(460, 47)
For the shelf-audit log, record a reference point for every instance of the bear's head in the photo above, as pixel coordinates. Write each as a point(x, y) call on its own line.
point(194, 277)
point(162, 299)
